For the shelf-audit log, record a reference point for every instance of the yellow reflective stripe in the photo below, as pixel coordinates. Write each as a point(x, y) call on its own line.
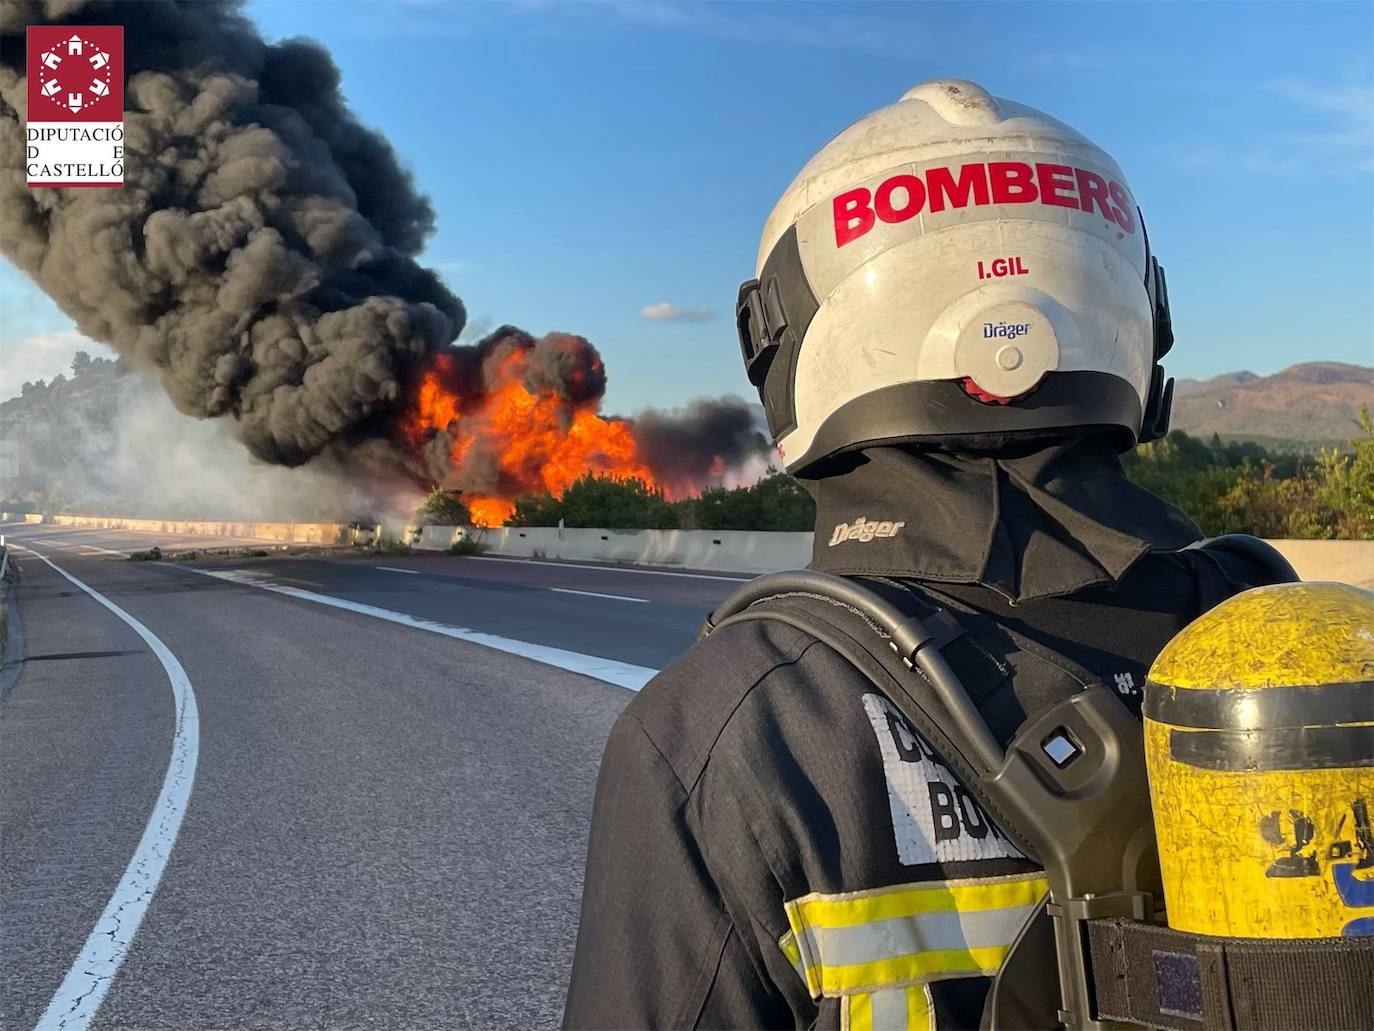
point(788, 944)
point(919, 1008)
point(916, 966)
point(863, 907)
point(865, 941)
point(858, 1009)
point(807, 972)
point(892, 1009)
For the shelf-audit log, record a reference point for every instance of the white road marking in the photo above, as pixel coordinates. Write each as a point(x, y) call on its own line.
point(79, 995)
point(622, 674)
point(396, 569)
point(611, 569)
point(104, 551)
point(598, 594)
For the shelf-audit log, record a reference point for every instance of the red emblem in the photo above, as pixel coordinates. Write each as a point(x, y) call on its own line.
point(75, 73)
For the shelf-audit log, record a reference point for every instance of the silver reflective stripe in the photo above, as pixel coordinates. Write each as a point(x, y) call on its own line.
point(889, 1010)
point(904, 935)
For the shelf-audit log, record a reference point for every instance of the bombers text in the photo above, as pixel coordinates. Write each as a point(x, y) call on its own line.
point(905, 195)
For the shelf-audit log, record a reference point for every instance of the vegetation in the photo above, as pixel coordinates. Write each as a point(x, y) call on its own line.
point(466, 546)
point(153, 554)
point(612, 504)
point(777, 502)
point(442, 508)
point(1240, 487)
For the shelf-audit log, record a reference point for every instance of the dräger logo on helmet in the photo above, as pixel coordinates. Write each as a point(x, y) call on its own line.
point(903, 196)
point(1010, 330)
point(863, 530)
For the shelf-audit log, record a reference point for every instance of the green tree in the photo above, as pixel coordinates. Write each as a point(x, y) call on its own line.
point(536, 510)
point(602, 501)
point(777, 502)
point(1347, 483)
point(442, 508)
point(628, 504)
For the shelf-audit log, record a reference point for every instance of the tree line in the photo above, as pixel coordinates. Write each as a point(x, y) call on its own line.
point(1239, 487)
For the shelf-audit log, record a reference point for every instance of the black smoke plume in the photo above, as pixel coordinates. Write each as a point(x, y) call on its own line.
point(698, 442)
point(260, 256)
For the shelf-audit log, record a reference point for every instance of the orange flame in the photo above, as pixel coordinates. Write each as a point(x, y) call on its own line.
point(538, 442)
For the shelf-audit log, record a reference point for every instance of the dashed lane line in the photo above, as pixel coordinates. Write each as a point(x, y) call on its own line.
point(611, 569)
point(622, 674)
point(79, 995)
point(598, 594)
point(398, 569)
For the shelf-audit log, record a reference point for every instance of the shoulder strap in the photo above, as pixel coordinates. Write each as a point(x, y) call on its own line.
point(900, 652)
point(1235, 562)
point(923, 658)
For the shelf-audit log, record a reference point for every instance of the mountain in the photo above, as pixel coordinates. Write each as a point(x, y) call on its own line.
point(1311, 404)
point(1183, 387)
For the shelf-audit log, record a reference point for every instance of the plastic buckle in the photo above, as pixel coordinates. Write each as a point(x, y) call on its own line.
point(755, 337)
point(1071, 938)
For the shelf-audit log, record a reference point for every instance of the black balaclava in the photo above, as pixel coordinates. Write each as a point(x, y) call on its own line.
point(1037, 523)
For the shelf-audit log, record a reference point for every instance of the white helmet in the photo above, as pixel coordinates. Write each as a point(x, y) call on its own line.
point(960, 270)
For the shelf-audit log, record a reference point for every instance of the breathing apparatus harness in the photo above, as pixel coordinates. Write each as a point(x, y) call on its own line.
point(1068, 785)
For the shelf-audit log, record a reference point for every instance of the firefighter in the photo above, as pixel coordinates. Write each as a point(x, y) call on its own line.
point(955, 331)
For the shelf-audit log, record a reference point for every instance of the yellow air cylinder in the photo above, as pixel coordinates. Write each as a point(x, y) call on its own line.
point(1259, 740)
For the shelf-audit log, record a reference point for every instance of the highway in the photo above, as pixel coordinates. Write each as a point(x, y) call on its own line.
point(306, 792)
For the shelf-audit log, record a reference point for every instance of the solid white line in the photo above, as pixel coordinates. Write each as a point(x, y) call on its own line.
point(79, 995)
point(610, 569)
point(394, 569)
point(597, 594)
point(622, 674)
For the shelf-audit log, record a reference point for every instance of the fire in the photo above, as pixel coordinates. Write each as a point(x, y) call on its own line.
point(516, 440)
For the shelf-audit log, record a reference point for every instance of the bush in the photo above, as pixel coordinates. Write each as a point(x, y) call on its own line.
point(442, 508)
point(466, 546)
point(592, 500)
point(536, 510)
point(153, 554)
point(1242, 488)
point(777, 502)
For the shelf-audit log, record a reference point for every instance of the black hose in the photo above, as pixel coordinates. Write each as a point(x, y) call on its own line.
point(910, 638)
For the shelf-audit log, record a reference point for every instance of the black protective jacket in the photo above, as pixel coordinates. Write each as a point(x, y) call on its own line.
point(774, 846)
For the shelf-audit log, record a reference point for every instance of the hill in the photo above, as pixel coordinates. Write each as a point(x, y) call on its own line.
point(1309, 405)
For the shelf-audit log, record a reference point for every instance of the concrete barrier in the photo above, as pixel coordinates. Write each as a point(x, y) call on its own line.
point(434, 538)
point(286, 533)
point(1349, 562)
point(733, 550)
point(758, 552)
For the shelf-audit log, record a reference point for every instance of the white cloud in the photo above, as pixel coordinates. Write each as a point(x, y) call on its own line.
point(42, 356)
point(664, 311)
point(1342, 127)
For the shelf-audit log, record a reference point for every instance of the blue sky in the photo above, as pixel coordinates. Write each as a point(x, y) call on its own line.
point(587, 160)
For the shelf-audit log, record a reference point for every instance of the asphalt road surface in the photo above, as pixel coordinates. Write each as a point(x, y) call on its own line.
point(306, 792)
